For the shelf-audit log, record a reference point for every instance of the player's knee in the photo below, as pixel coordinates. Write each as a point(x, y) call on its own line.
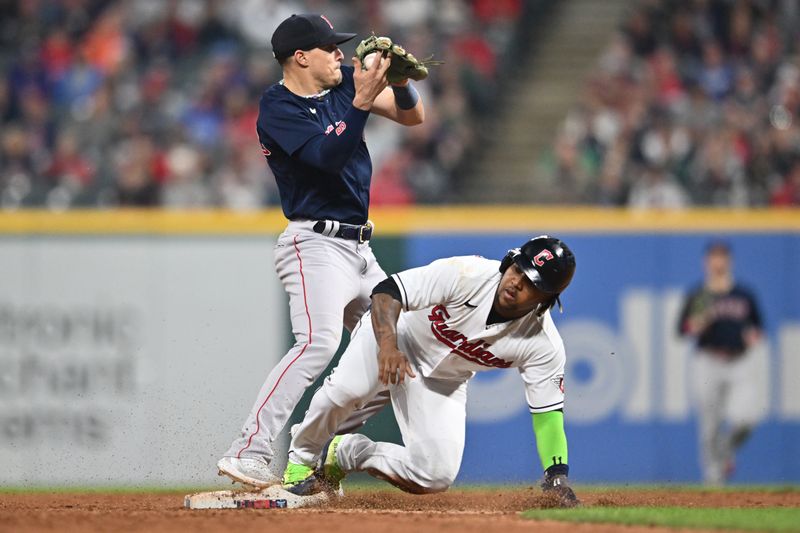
point(317, 352)
point(326, 340)
point(435, 483)
point(439, 485)
point(344, 394)
point(436, 477)
point(423, 486)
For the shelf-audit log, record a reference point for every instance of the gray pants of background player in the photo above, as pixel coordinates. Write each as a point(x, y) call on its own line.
point(726, 394)
point(329, 282)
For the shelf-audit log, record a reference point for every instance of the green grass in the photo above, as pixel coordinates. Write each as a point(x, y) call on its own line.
point(755, 519)
point(598, 489)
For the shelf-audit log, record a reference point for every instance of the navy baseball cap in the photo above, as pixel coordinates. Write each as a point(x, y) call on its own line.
point(305, 32)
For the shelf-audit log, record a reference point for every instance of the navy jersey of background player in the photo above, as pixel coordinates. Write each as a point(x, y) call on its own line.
point(286, 122)
point(730, 314)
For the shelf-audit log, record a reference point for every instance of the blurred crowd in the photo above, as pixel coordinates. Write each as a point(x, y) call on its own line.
point(153, 102)
point(694, 102)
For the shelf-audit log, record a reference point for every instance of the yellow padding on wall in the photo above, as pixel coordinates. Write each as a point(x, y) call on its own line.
point(399, 221)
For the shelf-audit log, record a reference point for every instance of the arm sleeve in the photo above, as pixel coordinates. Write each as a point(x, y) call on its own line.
point(301, 136)
point(388, 286)
point(543, 371)
point(433, 284)
point(551, 440)
point(331, 152)
point(285, 121)
point(755, 312)
point(683, 318)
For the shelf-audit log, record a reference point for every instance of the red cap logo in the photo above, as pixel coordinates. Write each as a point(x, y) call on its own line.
point(541, 257)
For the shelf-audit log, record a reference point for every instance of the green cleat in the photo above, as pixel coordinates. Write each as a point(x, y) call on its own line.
point(330, 470)
point(301, 480)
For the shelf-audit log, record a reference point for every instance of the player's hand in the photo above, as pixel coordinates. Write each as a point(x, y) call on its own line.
point(701, 314)
point(371, 82)
point(393, 366)
point(696, 324)
point(751, 336)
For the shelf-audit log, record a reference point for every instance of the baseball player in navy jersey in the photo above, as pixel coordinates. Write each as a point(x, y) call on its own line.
point(428, 331)
point(311, 129)
point(723, 317)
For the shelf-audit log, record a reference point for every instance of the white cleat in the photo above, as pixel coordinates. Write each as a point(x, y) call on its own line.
point(249, 471)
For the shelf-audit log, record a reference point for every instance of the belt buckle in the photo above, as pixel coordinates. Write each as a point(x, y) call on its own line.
point(362, 229)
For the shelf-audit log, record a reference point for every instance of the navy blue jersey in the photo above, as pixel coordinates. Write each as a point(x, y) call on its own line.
point(316, 184)
point(729, 314)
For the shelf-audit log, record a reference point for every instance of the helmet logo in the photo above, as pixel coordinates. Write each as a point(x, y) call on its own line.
point(541, 257)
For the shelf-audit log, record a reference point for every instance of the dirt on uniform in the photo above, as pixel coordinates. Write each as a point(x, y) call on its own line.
point(362, 510)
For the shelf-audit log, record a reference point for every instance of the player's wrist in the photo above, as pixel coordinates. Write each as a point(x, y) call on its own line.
point(362, 104)
point(388, 345)
point(405, 96)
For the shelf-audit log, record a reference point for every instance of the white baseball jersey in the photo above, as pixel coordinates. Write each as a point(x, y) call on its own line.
point(444, 334)
point(444, 329)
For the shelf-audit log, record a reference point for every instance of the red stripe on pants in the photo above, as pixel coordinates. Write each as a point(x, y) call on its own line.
point(302, 351)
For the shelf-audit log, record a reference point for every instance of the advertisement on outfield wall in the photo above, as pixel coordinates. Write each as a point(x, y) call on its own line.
point(131, 360)
point(629, 407)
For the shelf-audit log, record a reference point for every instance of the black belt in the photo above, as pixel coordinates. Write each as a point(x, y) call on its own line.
point(351, 232)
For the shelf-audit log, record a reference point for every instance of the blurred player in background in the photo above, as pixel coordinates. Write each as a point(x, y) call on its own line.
point(311, 129)
point(723, 318)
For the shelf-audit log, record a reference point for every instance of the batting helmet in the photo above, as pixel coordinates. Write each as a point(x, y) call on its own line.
point(546, 261)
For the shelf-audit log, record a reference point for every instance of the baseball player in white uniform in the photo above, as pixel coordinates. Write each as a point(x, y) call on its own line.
point(459, 316)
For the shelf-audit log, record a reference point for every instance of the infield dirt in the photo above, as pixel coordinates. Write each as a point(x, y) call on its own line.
point(362, 510)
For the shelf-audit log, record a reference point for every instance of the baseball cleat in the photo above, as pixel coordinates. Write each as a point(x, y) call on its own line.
point(250, 471)
point(301, 480)
point(329, 468)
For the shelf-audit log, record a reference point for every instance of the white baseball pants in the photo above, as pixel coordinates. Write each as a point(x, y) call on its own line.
point(431, 414)
point(329, 282)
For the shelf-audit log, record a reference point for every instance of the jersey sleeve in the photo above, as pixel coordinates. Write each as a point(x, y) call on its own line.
point(388, 286)
point(543, 372)
point(287, 125)
point(441, 282)
point(754, 318)
point(291, 125)
point(690, 305)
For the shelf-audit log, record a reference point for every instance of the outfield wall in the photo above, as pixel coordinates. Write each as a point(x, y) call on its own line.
point(627, 378)
point(130, 359)
point(133, 343)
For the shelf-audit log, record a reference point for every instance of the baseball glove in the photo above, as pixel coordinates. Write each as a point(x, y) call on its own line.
point(557, 488)
point(404, 65)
